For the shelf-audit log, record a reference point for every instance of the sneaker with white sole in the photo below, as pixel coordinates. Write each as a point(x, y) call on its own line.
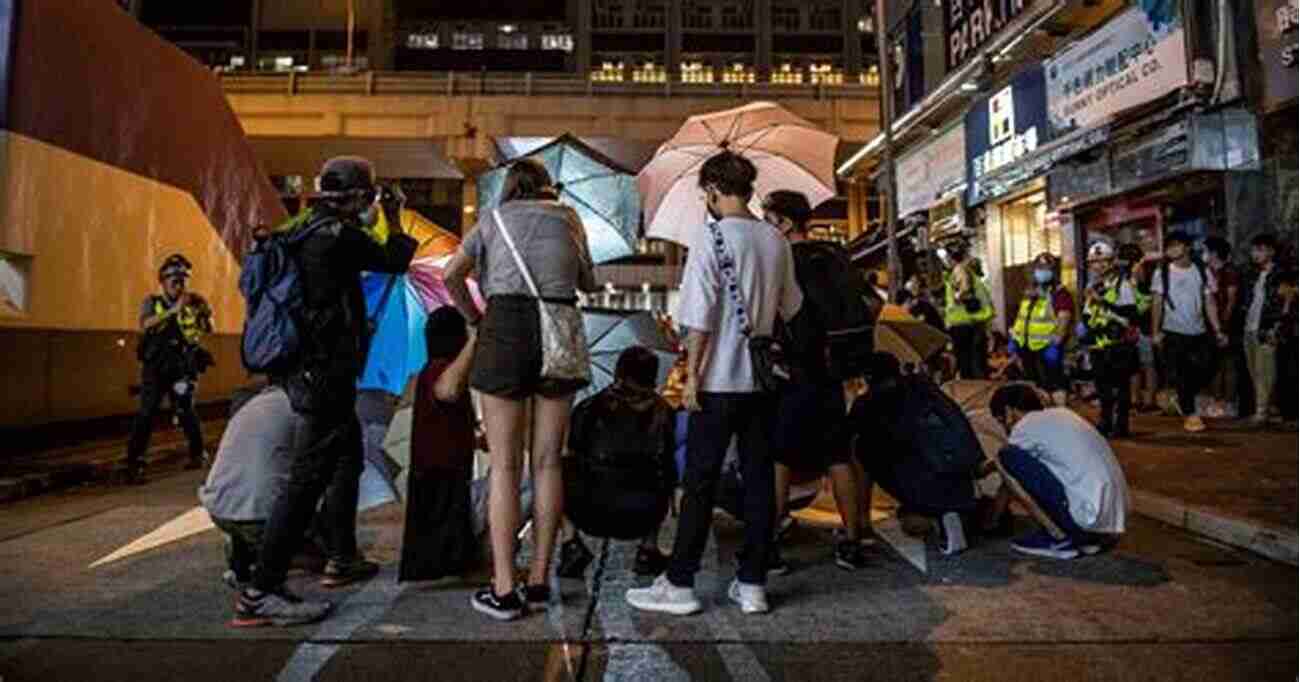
point(664, 597)
point(279, 609)
point(487, 602)
point(952, 535)
point(751, 598)
point(1041, 543)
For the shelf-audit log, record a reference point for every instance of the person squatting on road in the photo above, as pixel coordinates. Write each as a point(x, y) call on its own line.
point(739, 279)
point(173, 323)
point(1042, 328)
point(1062, 469)
point(1112, 309)
point(530, 247)
point(322, 387)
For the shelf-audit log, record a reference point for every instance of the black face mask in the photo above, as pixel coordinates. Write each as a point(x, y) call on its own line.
point(708, 206)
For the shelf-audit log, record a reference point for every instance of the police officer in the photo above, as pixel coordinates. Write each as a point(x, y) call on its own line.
point(173, 322)
point(1042, 328)
point(1112, 308)
point(967, 310)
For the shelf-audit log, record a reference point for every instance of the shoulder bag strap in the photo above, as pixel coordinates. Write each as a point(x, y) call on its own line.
point(731, 282)
point(519, 261)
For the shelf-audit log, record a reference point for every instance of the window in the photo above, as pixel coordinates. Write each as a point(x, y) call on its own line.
point(422, 41)
point(787, 74)
point(697, 72)
point(738, 73)
point(650, 14)
point(826, 17)
point(871, 77)
point(609, 72)
point(649, 72)
point(696, 14)
point(607, 14)
point(738, 15)
point(465, 40)
point(15, 277)
point(785, 18)
point(557, 41)
point(512, 40)
point(1025, 232)
point(825, 74)
point(867, 24)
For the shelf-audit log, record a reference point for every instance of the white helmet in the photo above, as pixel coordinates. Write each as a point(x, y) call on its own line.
point(1101, 251)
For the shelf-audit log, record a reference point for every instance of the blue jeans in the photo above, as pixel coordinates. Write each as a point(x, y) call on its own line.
point(1045, 489)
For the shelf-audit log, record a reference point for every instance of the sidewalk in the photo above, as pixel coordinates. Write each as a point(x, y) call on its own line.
point(1232, 483)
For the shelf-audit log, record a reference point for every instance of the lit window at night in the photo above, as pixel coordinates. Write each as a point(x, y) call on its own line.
point(422, 41)
point(609, 72)
point(650, 73)
point(697, 72)
point(738, 73)
point(787, 74)
point(557, 41)
point(825, 74)
point(466, 41)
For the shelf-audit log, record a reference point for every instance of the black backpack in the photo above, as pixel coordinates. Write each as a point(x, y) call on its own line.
point(1164, 280)
point(942, 434)
point(838, 293)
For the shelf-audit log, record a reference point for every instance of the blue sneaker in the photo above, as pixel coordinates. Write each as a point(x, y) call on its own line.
point(1041, 543)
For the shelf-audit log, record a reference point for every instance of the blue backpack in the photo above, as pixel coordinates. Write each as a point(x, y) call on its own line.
point(271, 283)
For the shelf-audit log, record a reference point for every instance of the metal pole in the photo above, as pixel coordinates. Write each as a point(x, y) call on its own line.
point(890, 202)
point(352, 27)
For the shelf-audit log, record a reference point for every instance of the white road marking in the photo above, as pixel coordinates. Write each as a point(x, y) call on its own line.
point(192, 522)
point(909, 547)
point(373, 601)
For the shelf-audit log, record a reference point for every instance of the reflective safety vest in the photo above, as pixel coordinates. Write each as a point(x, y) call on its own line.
point(1036, 322)
point(187, 319)
point(955, 313)
point(1102, 320)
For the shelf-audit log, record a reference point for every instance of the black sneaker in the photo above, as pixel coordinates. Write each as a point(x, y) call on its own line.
point(574, 559)
point(849, 555)
point(535, 597)
point(505, 607)
point(340, 572)
point(650, 561)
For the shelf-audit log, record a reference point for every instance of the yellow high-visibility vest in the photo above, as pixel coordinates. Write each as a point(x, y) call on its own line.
point(1035, 324)
point(1100, 318)
point(955, 313)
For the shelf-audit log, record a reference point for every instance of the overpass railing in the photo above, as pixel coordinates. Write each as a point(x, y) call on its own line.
point(525, 84)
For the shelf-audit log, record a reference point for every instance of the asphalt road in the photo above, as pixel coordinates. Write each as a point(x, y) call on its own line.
point(1163, 605)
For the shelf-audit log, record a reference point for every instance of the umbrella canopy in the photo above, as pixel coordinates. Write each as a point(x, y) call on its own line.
point(908, 340)
point(974, 396)
point(604, 195)
point(789, 152)
point(610, 332)
point(426, 278)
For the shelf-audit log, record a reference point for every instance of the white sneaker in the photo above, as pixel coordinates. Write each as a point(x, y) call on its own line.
point(664, 597)
point(752, 598)
point(952, 538)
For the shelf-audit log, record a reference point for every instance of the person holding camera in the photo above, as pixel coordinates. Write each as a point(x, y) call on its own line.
point(173, 323)
point(322, 388)
point(1112, 308)
point(967, 310)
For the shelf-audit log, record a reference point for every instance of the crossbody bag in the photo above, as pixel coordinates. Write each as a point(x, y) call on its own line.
point(768, 354)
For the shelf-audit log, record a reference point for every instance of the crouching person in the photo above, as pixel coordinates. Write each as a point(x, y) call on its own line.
point(1063, 470)
point(250, 471)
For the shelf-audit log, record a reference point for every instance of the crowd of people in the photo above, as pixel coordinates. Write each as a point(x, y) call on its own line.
point(779, 385)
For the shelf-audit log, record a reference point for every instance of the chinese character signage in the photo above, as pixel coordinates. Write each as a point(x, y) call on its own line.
point(1277, 21)
point(1139, 56)
point(970, 24)
point(932, 170)
point(1004, 127)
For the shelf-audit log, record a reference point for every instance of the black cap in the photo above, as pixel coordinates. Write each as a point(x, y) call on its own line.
point(346, 174)
point(176, 265)
point(1178, 237)
point(789, 204)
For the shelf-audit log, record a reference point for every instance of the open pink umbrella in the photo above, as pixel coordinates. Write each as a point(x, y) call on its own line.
point(790, 153)
point(425, 278)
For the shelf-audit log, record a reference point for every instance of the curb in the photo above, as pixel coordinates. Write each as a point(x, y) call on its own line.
point(1278, 544)
point(102, 469)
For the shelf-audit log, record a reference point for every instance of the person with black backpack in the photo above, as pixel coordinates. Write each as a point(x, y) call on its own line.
point(832, 334)
point(171, 360)
point(316, 352)
point(1182, 306)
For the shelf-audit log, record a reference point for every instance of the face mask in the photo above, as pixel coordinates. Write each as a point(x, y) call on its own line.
point(370, 216)
point(1043, 276)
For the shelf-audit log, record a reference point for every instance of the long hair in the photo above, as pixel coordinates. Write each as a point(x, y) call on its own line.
point(527, 179)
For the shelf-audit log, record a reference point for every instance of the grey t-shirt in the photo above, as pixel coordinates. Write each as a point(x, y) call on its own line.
point(550, 239)
point(252, 464)
point(1184, 311)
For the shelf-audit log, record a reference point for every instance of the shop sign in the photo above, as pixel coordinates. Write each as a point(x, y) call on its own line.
point(932, 170)
point(1004, 128)
point(1137, 57)
point(1277, 21)
point(969, 25)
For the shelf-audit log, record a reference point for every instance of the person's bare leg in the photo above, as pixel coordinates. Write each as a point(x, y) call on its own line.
point(782, 490)
point(504, 420)
point(844, 484)
point(551, 421)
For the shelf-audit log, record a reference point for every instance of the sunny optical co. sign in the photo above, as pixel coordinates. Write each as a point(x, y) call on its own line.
point(969, 25)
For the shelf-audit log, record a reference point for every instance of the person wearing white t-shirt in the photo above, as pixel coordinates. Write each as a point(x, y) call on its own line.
point(1182, 306)
point(753, 281)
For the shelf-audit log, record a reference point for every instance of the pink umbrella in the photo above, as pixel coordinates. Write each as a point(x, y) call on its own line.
point(426, 280)
point(790, 153)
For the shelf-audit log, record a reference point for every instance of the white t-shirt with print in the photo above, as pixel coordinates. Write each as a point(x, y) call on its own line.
point(765, 271)
point(1184, 308)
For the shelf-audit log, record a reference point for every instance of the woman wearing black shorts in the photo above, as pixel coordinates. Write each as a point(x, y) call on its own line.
point(507, 367)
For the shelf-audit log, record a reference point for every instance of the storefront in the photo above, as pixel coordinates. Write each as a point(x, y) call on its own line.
point(1008, 204)
point(1278, 26)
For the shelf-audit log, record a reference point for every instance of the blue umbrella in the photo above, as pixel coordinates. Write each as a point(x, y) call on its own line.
point(610, 332)
point(604, 195)
point(397, 350)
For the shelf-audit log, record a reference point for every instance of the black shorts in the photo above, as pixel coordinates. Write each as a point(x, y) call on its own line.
point(811, 427)
point(508, 353)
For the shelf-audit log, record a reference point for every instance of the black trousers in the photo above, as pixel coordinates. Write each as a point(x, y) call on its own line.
point(153, 388)
point(748, 417)
point(1113, 368)
point(1189, 359)
point(1047, 376)
point(328, 458)
point(971, 347)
